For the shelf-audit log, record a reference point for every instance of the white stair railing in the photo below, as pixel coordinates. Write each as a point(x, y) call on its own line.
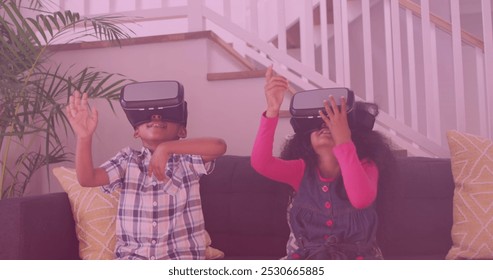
point(426, 73)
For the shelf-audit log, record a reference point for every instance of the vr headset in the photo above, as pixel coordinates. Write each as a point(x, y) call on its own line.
point(305, 105)
point(140, 101)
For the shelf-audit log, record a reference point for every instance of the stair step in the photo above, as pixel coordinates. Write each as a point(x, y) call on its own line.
point(228, 47)
point(400, 153)
point(235, 75)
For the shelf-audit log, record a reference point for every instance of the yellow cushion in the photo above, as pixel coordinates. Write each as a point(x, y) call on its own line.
point(95, 218)
point(472, 169)
point(211, 253)
point(94, 214)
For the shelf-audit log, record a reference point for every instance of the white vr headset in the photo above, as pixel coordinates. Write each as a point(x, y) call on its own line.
point(305, 105)
point(140, 101)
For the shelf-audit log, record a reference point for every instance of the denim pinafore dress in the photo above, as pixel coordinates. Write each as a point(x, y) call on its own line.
point(324, 224)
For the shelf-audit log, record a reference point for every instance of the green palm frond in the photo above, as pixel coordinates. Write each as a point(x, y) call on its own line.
point(51, 26)
point(34, 91)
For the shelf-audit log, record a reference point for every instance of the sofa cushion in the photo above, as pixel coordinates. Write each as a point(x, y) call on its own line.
point(211, 253)
point(244, 212)
point(94, 214)
point(38, 227)
point(95, 217)
point(472, 167)
point(415, 210)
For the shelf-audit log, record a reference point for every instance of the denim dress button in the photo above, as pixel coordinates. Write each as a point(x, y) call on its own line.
point(317, 213)
point(295, 256)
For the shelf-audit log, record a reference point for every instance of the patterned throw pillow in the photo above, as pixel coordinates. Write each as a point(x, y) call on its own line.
point(95, 218)
point(94, 214)
point(472, 169)
point(212, 253)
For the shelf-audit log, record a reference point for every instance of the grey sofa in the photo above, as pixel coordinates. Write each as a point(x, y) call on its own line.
point(245, 214)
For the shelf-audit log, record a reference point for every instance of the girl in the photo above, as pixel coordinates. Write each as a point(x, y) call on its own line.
point(334, 171)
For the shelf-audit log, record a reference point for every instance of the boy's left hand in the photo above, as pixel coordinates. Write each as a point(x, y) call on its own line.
point(157, 164)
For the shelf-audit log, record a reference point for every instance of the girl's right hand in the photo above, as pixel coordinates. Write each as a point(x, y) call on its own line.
point(275, 88)
point(82, 119)
point(335, 119)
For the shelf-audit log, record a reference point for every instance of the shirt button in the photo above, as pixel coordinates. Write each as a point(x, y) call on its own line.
point(153, 242)
point(325, 189)
point(295, 256)
point(154, 224)
point(328, 205)
point(154, 203)
point(154, 184)
point(329, 223)
point(153, 258)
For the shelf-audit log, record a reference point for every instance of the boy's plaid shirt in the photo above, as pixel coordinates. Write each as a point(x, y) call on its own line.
point(158, 220)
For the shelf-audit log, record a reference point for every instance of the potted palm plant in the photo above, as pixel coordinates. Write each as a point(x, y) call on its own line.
point(34, 91)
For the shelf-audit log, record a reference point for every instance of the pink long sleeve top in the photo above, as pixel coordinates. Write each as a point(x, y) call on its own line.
point(360, 177)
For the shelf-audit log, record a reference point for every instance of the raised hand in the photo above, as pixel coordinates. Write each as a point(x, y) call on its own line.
point(275, 88)
point(336, 120)
point(82, 119)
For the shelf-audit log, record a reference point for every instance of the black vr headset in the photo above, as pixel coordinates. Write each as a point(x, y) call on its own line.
point(305, 106)
point(140, 101)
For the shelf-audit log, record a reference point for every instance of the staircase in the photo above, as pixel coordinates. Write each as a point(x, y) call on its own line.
point(425, 71)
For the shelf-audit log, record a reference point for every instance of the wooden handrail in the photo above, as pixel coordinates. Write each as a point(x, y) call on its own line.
point(443, 24)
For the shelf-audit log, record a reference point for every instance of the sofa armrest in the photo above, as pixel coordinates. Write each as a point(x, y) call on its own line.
point(37, 227)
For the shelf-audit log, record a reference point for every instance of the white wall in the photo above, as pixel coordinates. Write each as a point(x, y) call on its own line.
point(227, 109)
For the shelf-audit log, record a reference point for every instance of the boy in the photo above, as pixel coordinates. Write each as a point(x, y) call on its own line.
point(159, 214)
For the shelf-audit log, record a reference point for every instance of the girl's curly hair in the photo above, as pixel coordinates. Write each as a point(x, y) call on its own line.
point(370, 144)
